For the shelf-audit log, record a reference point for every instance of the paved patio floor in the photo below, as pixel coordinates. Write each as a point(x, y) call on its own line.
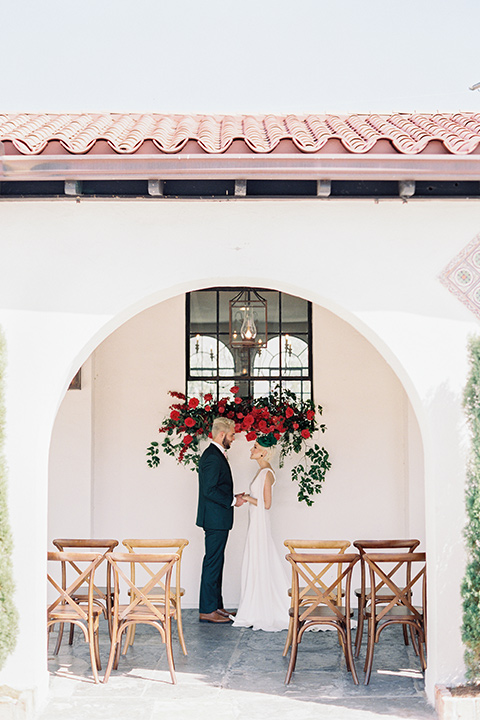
point(236, 674)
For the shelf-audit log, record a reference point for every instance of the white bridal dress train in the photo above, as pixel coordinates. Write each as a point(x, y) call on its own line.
point(264, 601)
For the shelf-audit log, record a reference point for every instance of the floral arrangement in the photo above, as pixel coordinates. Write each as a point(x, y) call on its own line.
point(292, 422)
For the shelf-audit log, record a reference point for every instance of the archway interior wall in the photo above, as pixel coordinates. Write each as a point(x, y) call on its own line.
point(98, 469)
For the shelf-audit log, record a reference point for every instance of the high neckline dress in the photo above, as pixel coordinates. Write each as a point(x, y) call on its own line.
point(264, 601)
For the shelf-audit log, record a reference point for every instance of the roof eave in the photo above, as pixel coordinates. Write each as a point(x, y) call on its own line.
point(240, 166)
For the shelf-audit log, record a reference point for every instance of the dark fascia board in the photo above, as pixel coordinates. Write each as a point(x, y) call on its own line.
point(240, 166)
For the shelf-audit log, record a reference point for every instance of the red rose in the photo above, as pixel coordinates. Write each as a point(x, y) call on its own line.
point(207, 408)
point(240, 415)
point(276, 435)
point(189, 422)
point(199, 431)
point(238, 427)
point(174, 414)
point(262, 425)
point(221, 408)
point(238, 400)
point(310, 414)
point(249, 420)
point(288, 412)
point(295, 426)
point(230, 415)
point(208, 397)
point(305, 433)
point(251, 436)
point(187, 439)
point(234, 389)
point(193, 402)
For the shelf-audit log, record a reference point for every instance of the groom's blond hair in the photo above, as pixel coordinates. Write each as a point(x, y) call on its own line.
point(221, 424)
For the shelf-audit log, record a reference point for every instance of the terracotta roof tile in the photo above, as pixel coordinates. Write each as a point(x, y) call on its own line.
point(459, 133)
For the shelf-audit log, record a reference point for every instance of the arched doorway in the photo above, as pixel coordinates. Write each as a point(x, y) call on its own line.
point(102, 431)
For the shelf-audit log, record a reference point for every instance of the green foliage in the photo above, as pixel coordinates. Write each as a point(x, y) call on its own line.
point(280, 415)
point(471, 581)
point(8, 614)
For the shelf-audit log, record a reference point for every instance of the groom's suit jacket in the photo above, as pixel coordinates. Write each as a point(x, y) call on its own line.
point(215, 491)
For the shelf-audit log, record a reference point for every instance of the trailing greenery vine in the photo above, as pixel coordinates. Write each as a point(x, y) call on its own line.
point(471, 581)
point(8, 613)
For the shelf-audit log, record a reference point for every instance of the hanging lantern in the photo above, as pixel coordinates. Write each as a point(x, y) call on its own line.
point(248, 320)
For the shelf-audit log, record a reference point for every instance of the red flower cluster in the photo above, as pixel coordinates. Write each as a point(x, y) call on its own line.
point(189, 421)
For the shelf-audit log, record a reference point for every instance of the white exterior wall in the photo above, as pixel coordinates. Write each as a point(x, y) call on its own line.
point(73, 272)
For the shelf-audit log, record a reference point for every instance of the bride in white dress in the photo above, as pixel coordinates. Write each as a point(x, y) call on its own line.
point(264, 601)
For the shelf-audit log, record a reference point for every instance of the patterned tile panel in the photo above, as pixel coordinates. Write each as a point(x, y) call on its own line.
point(462, 276)
point(459, 133)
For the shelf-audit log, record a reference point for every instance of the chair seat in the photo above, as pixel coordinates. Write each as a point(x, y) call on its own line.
point(322, 612)
point(382, 595)
point(398, 611)
point(158, 593)
point(143, 613)
point(82, 593)
point(310, 593)
point(66, 613)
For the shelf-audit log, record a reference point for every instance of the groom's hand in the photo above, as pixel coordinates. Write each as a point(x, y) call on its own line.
point(239, 500)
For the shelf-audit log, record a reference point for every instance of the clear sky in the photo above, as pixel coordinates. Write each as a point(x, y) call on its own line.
point(239, 56)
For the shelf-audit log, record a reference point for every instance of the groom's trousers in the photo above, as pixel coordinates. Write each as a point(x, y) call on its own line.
point(212, 571)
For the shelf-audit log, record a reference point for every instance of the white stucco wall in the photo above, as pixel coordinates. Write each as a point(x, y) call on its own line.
point(71, 273)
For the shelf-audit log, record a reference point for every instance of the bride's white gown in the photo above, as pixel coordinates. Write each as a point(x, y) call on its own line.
point(264, 601)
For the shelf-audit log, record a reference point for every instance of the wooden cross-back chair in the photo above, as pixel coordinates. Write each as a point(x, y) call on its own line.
point(321, 607)
point(67, 608)
point(141, 607)
point(102, 594)
point(295, 546)
point(383, 594)
point(407, 577)
point(157, 593)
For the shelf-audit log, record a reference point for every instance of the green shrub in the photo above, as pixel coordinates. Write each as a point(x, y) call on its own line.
point(471, 581)
point(8, 614)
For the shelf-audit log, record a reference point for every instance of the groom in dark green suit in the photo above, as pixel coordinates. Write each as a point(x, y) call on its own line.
point(215, 515)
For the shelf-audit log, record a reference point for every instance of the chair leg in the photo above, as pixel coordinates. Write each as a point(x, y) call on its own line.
point(293, 651)
point(349, 655)
point(129, 638)
point(93, 652)
point(421, 653)
point(180, 629)
point(168, 645)
point(370, 650)
point(288, 641)
point(405, 635)
point(70, 637)
point(59, 639)
point(113, 652)
point(360, 621)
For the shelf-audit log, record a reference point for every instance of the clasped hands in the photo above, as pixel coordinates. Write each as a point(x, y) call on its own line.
point(240, 499)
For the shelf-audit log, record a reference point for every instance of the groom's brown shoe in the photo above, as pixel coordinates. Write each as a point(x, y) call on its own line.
point(213, 617)
point(227, 613)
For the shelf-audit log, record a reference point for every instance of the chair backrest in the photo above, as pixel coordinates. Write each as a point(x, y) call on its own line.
point(364, 546)
point(159, 566)
point(406, 577)
point(87, 544)
point(65, 595)
point(307, 568)
point(294, 546)
point(176, 545)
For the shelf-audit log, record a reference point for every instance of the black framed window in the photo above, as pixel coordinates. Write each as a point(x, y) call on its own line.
point(283, 358)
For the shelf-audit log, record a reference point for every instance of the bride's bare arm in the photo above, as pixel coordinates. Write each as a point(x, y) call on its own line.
point(267, 492)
